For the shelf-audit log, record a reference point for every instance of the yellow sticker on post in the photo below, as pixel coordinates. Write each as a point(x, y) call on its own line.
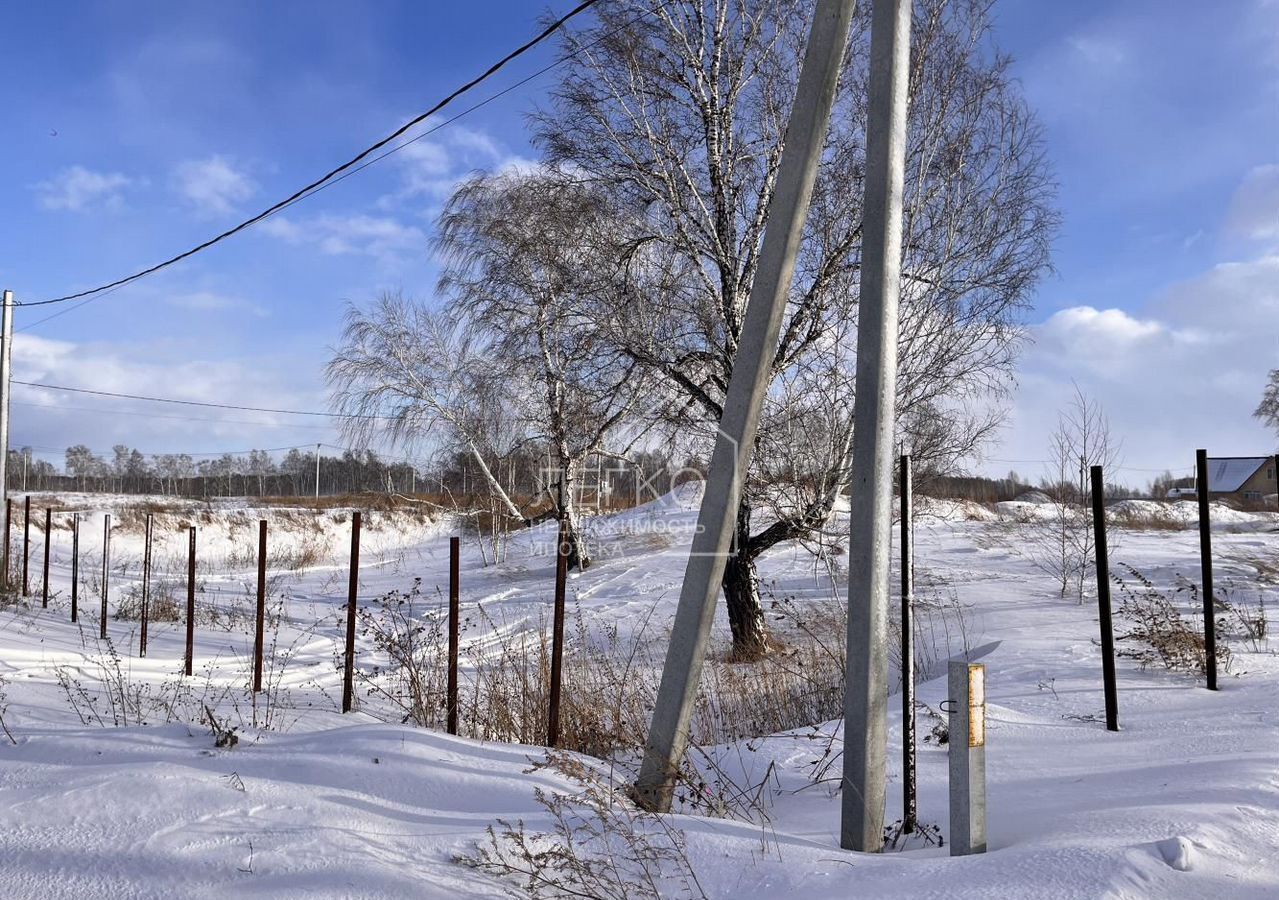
point(976, 705)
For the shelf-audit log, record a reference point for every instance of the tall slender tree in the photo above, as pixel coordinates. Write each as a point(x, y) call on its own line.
point(675, 112)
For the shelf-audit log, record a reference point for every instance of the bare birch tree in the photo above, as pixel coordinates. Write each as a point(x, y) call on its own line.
point(676, 110)
point(1063, 545)
point(410, 374)
point(522, 253)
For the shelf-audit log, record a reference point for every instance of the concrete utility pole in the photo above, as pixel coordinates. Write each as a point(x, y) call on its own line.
point(752, 368)
point(317, 471)
point(870, 518)
point(6, 340)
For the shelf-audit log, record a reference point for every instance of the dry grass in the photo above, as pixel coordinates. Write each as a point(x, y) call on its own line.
point(1157, 631)
point(601, 846)
point(610, 679)
point(1134, 520)
point(166, 601)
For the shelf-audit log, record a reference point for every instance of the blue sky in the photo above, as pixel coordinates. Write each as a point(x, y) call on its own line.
point(135, 130)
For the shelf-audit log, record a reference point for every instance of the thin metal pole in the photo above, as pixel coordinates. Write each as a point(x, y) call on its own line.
point(752, 372)
point(260, 629)
point(1205, 554)
point(106, 574)
point(75, 566)
point(6, 349)
point(48, 539)
point(348, 672)
point(8, 538)
point(146, 586)
point(557, 635)
point(1103, 599)
point(455, 615)
point(910, 807)
point(26, 545)
point(189, 656)
point(870, 515)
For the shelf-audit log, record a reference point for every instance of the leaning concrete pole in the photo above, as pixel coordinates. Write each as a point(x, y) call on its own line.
point(870, 518)
point(752, 370)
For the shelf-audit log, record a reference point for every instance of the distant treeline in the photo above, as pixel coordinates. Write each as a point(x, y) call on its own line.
point(610, 483)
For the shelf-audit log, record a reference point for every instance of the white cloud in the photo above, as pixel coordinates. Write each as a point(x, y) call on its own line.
point(210, 301)
point(213, 186)
point(381, 237)
point(1113, 329)
point(55, 419)
point(1098, 51)
point(1254, 210)
point(1184, 374)
point(432, 167)
point(77, 189)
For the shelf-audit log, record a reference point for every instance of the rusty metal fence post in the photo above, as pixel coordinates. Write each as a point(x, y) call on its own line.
point(1103, 599)
point(48, 539)
point(26, 544)
point(910, 807)
point(146, 585)
point(348, 674)
point(260, 627)
point(1205, 553)
point(75, 566)
point(190, 648)
point(106, 574)
point(557, 636)
point(454, 629)
point(8, 539)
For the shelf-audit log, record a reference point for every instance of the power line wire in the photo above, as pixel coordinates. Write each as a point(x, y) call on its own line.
point(318, 183)
point(139, 413)
point(201, 403)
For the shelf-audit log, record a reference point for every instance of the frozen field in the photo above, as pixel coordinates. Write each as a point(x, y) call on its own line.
point(1183, 802)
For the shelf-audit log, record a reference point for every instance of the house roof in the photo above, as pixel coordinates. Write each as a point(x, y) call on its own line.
point(1227, 474)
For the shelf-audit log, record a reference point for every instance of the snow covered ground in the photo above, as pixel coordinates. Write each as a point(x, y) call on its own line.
point(1183, 802)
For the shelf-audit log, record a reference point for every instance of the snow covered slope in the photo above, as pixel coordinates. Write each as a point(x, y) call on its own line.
point(1183, 802)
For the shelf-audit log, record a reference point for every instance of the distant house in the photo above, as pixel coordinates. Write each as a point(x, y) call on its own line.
point(1247, 479)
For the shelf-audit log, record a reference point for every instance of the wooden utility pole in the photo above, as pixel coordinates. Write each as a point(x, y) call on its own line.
point(752, 368)
point(874, 412)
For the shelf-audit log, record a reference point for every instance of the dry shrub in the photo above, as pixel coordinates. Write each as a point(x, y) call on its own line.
point(411, 637)
point(610, 679)
point(132, 517)
point(1133, 519)
point(1157, 631)
point(600, 846)
point(163, 603)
